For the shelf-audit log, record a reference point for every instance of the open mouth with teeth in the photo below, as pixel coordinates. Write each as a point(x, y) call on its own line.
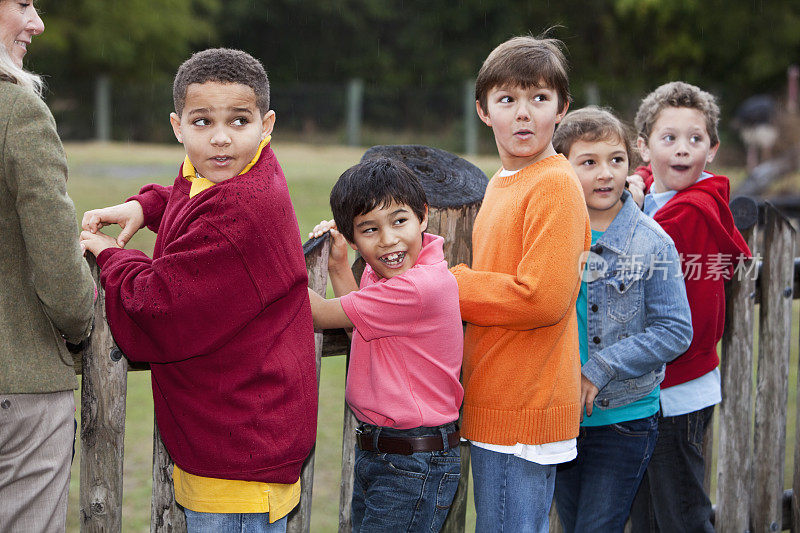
point(222, 158)
point(604, 189)
point(393, 260)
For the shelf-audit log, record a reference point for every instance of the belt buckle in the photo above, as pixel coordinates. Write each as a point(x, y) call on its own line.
point(361, 440)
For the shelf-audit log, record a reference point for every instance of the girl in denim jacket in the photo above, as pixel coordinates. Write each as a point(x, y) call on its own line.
point(633, 317)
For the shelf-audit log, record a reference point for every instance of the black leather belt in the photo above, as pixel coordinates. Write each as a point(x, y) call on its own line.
point(405, 445)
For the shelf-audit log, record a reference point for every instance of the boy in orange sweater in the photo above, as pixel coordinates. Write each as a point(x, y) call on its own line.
point(521, 370)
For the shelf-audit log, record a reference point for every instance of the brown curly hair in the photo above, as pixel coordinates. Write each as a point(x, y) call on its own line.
point(223, 65)
point(677, 94)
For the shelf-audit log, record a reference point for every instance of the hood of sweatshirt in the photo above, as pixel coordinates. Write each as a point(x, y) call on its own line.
point(710, 197)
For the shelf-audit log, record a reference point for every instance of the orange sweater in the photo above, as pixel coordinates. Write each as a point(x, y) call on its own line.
point(521, 370)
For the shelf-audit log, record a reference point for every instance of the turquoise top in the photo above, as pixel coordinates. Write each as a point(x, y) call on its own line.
point(641, 408)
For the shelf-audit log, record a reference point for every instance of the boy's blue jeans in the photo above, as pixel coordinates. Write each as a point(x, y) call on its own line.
point(395, 493)
point(672, 496)
point(511, 494)
point(595, 491)
point(232, 523)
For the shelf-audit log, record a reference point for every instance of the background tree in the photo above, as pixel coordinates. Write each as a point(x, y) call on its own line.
point(618, 49)
point(125, 39)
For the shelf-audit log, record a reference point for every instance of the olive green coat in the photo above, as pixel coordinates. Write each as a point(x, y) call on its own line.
point(45, 286)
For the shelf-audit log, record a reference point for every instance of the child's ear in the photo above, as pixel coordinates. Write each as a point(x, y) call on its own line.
point(424, 223)
point(175, 121)
point(267, 123)
point(482, 115)
point(644, 151)
point(563, 112)
point(712, 152)
point(352, 245)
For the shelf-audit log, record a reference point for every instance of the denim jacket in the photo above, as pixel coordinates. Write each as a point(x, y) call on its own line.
point(638, 317)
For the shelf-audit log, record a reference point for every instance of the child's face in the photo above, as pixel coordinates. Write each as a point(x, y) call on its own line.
point(523, 121)
point(389, 238)
point(602, 168)
point(678, 149)
point(221, 128)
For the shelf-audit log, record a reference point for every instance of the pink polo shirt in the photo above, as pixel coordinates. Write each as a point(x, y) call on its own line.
point(407, 346)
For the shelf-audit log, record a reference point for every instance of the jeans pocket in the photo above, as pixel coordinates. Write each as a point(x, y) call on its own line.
point(413, 466)
point(696, 423)
point(634, 428)
point(444, 498)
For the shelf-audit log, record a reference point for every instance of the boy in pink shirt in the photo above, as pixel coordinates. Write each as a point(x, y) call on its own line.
point(405, 358)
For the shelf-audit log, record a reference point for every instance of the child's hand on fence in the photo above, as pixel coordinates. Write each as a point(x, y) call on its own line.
point(97, 242)
point(322, 227)
point(338, 254)
point(635, 185)
point(129, 216)
point(588, 393)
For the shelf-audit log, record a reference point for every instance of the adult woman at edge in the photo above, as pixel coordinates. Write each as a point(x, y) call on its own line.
point(45, 292)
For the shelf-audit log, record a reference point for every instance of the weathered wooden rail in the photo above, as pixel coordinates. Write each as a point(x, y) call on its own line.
point(750, 452)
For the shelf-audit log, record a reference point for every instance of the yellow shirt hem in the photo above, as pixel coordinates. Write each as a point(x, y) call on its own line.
point(213, 495)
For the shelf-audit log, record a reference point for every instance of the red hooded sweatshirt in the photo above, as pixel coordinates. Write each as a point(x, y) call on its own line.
point(700, 222)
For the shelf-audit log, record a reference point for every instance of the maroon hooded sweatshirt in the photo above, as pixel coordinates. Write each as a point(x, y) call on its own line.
point(222, 315)
point(700, 222)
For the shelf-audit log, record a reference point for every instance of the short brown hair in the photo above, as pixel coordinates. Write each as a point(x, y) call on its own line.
point(223, 65)
point(525, 61)
point(590, 124)
point(677, 94)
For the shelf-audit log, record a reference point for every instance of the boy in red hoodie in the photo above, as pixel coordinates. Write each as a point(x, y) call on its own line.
point(677, 136)
point(221, 311)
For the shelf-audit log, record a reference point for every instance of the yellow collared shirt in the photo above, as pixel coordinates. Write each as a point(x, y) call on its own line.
point(199, 183)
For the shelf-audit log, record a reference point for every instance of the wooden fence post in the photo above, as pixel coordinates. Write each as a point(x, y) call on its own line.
point(165, 514)
point(317, 269)
point(773, 366)
point(456, 226)
point(735, 412)
point(795, 502)
point(349, 425)
point(103, 389)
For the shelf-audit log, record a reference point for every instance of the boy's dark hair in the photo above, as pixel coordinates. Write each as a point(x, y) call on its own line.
point(222, 65)
point(525, 61)
point(374, 183)
point(677, 94)
point(590, 124)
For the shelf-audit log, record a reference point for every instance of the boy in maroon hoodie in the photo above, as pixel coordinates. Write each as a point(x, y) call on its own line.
point(221, 311)
point(677, 136)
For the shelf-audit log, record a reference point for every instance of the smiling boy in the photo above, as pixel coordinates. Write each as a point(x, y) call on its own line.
point(402, 378)
point(221, 310)
point(521, 365)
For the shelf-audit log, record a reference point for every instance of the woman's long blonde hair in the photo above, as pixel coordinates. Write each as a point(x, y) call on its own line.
point(9, 71)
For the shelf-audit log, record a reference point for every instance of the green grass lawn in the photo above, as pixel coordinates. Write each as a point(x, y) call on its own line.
point(106, 174)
